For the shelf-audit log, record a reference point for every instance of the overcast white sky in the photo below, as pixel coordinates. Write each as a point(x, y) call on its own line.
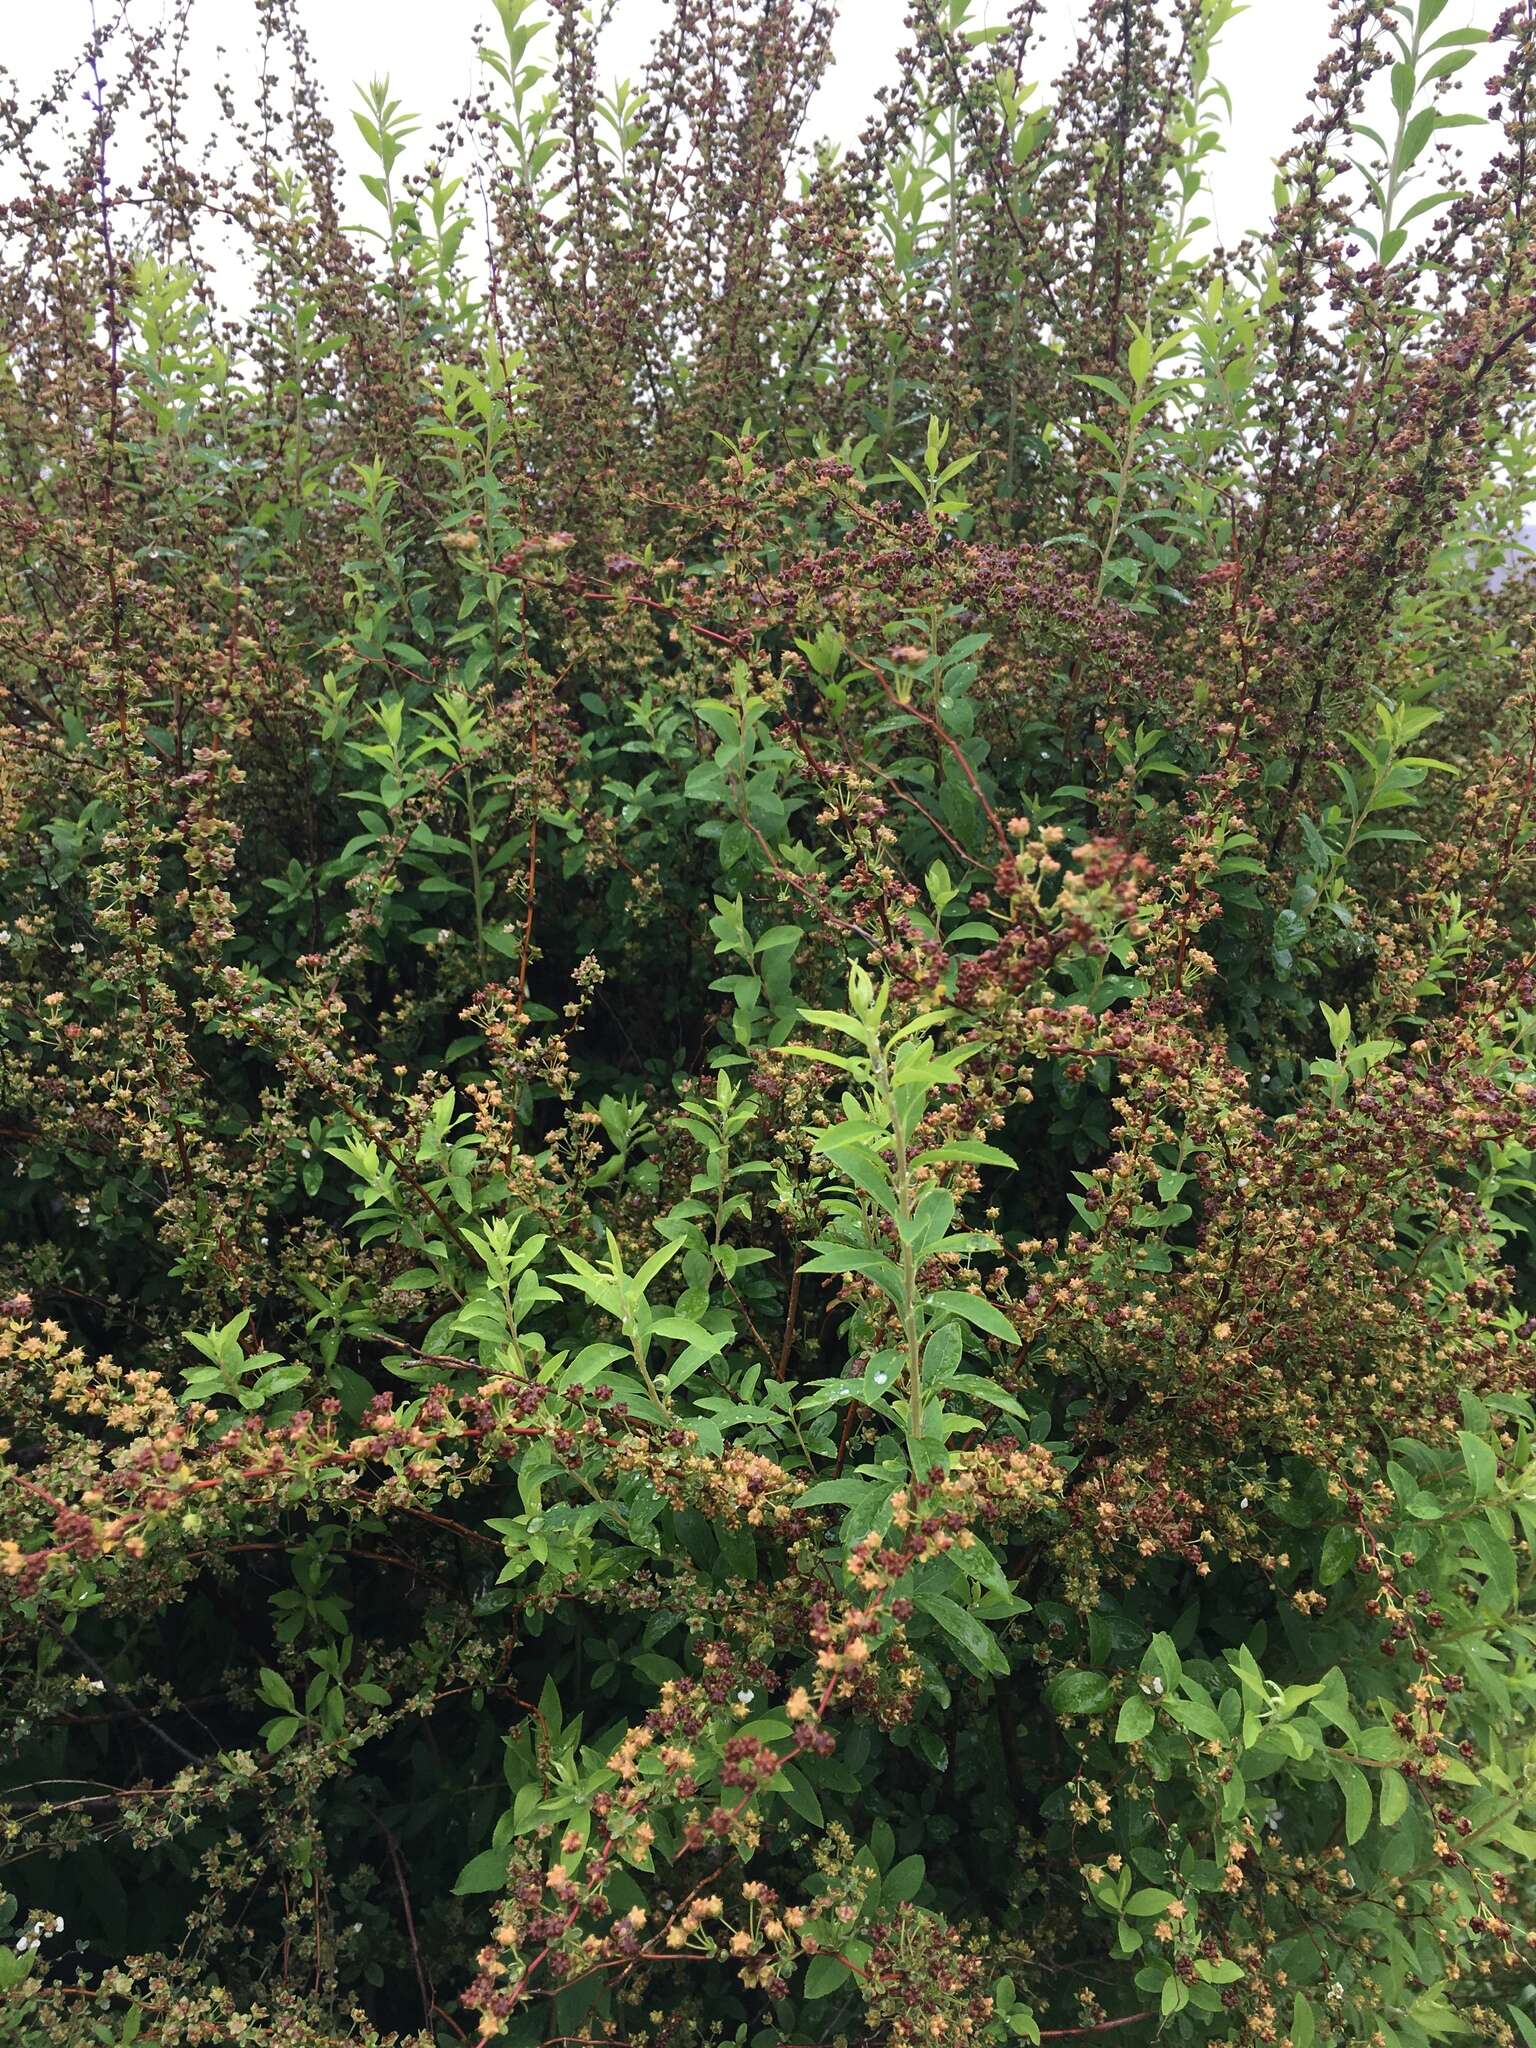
point(1267, 57)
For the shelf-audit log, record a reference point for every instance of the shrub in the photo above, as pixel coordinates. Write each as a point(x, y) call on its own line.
point(766, 1046)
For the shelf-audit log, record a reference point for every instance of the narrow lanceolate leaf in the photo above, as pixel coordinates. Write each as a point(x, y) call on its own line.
point(975, 1642)
point(976, 1310)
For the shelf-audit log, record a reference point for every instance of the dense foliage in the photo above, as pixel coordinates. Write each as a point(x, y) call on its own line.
point(766, 1013)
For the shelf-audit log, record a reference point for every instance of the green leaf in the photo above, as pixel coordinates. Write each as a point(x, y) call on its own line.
point(832, 1257)
point(1496, 1556)
point(1199, 1717)
point(902, 1883)
point(1392, 1799)
point(1162, 1661)
point(1173, 1997)
point(799, 1795)
point(1481, 1463)
point(1079, 1692)
point(1341, 1546)
point(13, 1967)
point(976, 1644)
point(486, 1872)
point(824, 1975)
point(1137, 1720)
point(978, 1389)
point(1417, 133)
point(275, 1690)
point(281, 1731)
point(973, 1308)
point(842, 1492)
point(1220, 1972)
point(1338, 1022)
point(1147, 1903)
point(417, 1278)
point(966, 1150)
point(859, 1163)
point(1356, 1788)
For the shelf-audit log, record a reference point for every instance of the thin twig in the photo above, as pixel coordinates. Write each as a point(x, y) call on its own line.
point(428, 1994)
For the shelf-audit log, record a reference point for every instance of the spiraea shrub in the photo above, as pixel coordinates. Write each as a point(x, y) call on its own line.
point(767, 999)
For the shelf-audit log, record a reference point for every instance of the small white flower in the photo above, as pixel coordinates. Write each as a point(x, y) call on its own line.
point(1243, 1502)
point(746, 1695)
point(78, 948)
point(1335, 1992)
point(1157, 1688)
point(22, 1946)
point(96, 1685)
